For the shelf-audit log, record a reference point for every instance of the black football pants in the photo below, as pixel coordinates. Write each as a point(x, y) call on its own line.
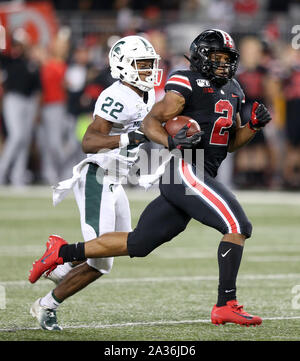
point(205, 200)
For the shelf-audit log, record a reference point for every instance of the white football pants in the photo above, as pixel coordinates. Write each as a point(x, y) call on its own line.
point(103, 207)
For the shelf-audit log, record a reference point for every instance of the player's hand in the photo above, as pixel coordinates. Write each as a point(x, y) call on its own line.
point(260, 116)
point(181, 141)
point(137, 138)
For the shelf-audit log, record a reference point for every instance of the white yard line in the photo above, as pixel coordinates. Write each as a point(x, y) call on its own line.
point(136, 324)
point(253, 277)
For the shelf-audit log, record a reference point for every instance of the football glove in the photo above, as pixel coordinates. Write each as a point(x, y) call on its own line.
point(134, 138)
point(260, 116)
point(181, 141)
point(137, 138)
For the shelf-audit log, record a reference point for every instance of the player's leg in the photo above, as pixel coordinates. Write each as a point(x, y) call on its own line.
point(96, 206)
point(114, 215)
point(60, 272)
point(211, 203)
point(159, 223)
point(96, 203)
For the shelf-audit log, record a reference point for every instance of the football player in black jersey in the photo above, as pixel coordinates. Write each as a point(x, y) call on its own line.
point(209, 94)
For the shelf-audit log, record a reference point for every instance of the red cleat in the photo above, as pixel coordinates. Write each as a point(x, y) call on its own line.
point(233, 313)
point(50, 259)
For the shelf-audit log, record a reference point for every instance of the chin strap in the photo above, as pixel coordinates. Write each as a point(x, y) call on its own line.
point(187, 58)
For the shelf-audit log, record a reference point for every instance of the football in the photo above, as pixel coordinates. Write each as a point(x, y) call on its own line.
point(172, 126)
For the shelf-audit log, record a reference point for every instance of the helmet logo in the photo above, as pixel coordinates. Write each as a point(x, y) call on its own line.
point(228, 42)
point(148, 48)
point(117, 48)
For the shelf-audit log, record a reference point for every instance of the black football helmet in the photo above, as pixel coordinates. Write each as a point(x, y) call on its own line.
point(213, 41)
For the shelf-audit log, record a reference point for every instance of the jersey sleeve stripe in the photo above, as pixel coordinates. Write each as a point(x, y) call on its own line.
point(180, 80)
point(178, 83)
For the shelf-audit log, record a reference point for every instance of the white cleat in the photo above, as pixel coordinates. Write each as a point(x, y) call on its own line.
point(46, 317)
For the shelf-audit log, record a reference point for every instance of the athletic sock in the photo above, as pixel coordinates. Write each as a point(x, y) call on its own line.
point(229, 259)
point(72, 252)
point(50, 301)
point(61, 270)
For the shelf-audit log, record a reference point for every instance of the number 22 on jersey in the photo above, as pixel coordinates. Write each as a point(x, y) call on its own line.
point(118, 107)
point(219, 134)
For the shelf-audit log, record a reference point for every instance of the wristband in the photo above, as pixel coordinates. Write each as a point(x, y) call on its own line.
point(124, 140)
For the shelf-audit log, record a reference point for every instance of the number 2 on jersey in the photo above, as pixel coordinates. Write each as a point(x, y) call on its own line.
point(219, 134)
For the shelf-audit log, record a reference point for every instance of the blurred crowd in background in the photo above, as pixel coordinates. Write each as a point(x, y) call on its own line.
point(48, 91)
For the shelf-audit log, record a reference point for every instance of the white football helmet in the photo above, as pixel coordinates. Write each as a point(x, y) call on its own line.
point(123, 56)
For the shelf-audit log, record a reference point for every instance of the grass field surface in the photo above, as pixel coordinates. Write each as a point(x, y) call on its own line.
point(166, 296)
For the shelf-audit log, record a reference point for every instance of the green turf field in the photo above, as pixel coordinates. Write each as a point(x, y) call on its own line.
point(165, 296)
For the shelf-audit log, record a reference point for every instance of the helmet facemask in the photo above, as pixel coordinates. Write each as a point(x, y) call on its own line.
point(124, 57)
point(133, 74)
point(229, 67)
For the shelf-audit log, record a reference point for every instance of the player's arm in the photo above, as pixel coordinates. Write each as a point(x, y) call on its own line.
point(97, 137)
point(260, 117)
point(243, 135)
point(171, 105)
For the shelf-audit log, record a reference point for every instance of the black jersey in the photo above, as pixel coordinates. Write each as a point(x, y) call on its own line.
point(213, 108)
